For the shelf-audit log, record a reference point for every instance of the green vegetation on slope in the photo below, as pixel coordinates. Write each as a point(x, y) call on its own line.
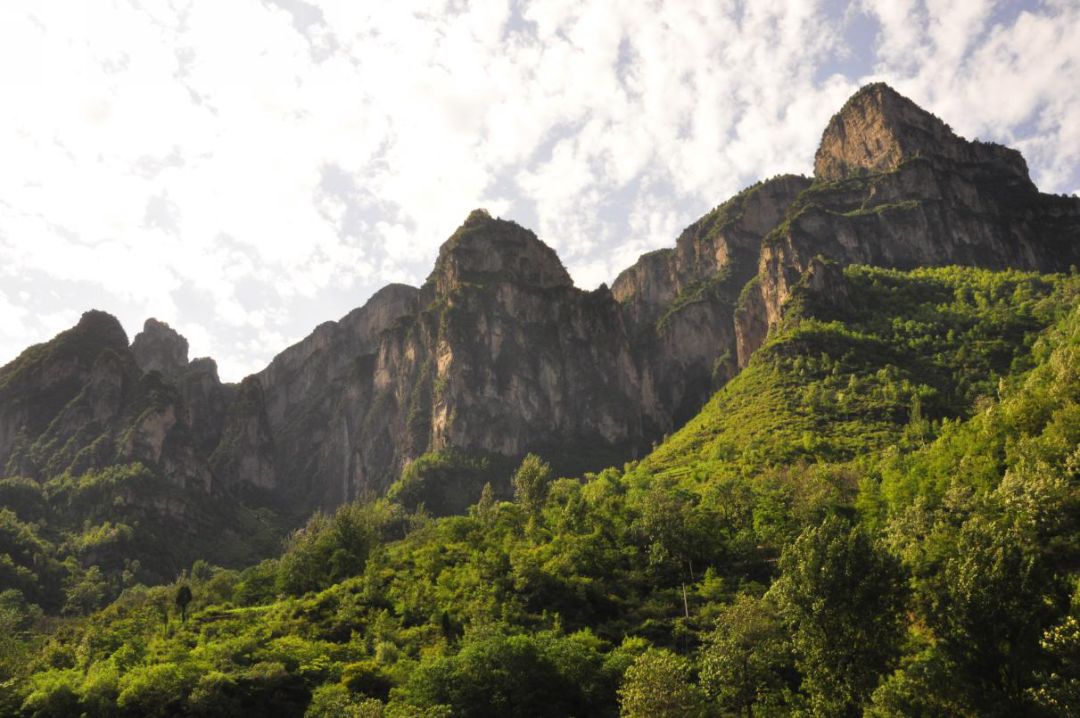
point(74, 542)
point(877, 517)
point(857, 373)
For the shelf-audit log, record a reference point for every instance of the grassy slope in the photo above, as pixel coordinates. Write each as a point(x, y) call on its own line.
point(838, 381)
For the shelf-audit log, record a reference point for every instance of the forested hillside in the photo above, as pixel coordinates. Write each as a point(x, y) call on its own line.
point(877, 516)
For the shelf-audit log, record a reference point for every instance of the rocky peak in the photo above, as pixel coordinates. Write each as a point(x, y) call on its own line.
point(73, 350)
point(101, 326)
point(486, 250)
point(878, 129)
point(158, 347)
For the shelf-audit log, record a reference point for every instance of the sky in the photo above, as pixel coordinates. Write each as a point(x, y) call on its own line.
point(247, 169)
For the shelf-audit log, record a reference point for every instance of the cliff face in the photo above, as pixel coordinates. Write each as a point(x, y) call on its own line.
point(313, 423)
point(894, 187)
point(679, 303)
point(879, 129)
point(524, 360)
point(499, 354)
point(158, 347)
point(81, 402)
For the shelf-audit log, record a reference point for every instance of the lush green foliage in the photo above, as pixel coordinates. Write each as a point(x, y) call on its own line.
point(73, 542)
point(878, 516)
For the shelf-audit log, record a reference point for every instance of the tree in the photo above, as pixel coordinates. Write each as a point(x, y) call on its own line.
point(1059, 689)
point(333, 700)
point(679, 531)
point(924, 685)
point(485, 507)
point(216, 695)
point(503, 676)
point(842, 597)
point(989, 606)
point(747, 655)
point(85, 591)
point(659, 685)
point(201, 571)
point(155, 690)
point(183, 598)
point(330, 549)
point(531, 482)
point(53, 694)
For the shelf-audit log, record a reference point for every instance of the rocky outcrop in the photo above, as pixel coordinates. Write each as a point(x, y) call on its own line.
point(158, 347)
point(204, 401)
point(680, 302)
point(483, 251)
point(245, 456)
point(879, 129)
point(894, 187)
point(306, 424)
point(81, 402)
point(37, 386)
point(523, 359)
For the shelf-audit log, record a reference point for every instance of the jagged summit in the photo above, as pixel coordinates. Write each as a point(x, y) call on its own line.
point(878, 128)
point(159, 347)
point(484, 250)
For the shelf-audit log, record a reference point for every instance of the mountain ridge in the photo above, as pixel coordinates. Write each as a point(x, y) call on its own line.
point(498, 353)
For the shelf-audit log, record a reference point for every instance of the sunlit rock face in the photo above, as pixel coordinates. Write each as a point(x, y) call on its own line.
point(498, 352)
point(895, 187)
point(879, 129)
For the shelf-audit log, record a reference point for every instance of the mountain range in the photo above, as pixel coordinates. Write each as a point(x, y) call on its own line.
point(430, 392)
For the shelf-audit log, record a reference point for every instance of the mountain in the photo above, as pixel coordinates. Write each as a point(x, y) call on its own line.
point(894, 187)
point(497, 353)
point(429, 393)
point(845, 409)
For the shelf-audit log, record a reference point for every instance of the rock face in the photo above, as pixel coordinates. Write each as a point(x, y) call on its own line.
point(894, 187)
point(520, 351)
point(158, 347)
point(498, 354)
point(879, 129)
point(80, 402)
point(44, 379)
point(679, 303)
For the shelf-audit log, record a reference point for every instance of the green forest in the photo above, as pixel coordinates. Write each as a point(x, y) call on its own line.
point(879, 516)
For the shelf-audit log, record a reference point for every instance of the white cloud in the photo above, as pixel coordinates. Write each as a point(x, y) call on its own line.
point(246, 170)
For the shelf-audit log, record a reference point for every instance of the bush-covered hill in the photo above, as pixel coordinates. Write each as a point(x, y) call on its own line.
point(878, 516)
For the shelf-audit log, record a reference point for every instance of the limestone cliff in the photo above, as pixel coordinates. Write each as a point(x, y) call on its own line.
point(894, 187)
point(80, 402)
point(680, 302)
point(498, 352)
point(523, 359)
point(159, 347)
